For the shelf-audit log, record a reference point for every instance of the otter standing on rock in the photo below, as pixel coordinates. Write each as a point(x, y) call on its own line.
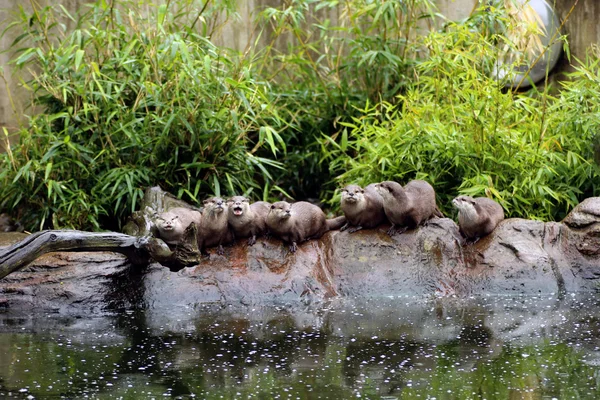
point(363, 208)
point(171, 225)
point(408, 206)
point(247, 220)
point(300, 221)
point(214, 229)
point(478, 216)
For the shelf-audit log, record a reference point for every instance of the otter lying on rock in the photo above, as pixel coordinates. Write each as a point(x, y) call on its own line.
point(247, 220)
point(477, 216)
point(172, 224)
point(408, 206)
point(300, 221)
point(363, 208)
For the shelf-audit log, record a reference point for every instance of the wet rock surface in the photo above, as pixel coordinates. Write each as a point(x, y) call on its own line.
point(73, 283)
point(519, 257)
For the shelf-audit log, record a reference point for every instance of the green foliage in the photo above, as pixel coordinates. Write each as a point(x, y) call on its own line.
point(337, 56)
point(129, 95)
point(459, 129)
point(133, 96)
point(575, 119)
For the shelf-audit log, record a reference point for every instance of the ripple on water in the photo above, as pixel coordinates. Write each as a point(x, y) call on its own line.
point(389, 348)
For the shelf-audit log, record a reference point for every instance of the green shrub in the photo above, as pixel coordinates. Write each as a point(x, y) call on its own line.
point(330, 66)
point(135, 95)
point(575, 121)
point(457, 128)
point(132, 97)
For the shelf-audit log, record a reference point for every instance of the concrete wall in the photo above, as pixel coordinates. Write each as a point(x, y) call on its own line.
point(12, 111)
point(582, 25)
point(582, 28)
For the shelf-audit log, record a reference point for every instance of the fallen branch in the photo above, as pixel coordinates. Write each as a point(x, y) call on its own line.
point(20, 254)
point(139, 244)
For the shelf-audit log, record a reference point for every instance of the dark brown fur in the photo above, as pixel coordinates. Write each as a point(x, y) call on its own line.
point(247, 220)
point(408, 206)
point(477, 217)
point(298, 222)
point(8, 225)
point(214, 229)
point(363, 208)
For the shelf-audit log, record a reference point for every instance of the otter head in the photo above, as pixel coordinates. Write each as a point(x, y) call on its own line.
point(238, 205)
point(352, 194)
point(281, 210)
point(214, 205)
point(167, 222)
point(465, 205)
point(388, 189)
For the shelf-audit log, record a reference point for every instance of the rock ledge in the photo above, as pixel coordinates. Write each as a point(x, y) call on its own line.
point(519, 257)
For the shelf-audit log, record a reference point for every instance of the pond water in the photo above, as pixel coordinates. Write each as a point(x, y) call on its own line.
point(402, 348)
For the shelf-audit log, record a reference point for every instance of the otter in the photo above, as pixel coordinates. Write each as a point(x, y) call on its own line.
point(172, 224)
point(7, 224)
point(408, 206)
point(300, 221)
point(363, 208)
point(247, 220)
point(477, 217)
point(214, 229)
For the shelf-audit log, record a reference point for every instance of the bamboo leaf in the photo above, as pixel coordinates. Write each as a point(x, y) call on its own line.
point(78, 57)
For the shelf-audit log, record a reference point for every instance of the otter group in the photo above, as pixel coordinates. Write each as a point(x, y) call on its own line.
point(403, 207)
point(221, 222)
point(406, 207)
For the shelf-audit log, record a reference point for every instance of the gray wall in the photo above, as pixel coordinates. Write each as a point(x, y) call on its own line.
point(10, 118)
point(582, 28)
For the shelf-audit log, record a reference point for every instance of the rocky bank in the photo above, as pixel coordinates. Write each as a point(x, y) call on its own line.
point(519, 257)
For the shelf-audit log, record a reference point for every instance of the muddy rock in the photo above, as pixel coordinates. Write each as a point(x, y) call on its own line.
point(519, 257)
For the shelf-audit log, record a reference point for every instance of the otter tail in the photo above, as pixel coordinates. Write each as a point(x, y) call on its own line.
point(335, 223)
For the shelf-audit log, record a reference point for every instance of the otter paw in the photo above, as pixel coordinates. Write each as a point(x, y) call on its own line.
point(355, 229)
point(472, 241)
point(293, 247)
point(402, 230)
point(220, 250)
point(343, 228)
point(251, 241)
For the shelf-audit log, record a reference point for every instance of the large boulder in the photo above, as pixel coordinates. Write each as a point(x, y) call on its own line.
point(519, 257)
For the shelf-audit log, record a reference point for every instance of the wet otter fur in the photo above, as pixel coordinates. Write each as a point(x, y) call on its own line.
point(477, 217)
point(408, 206)
point(171, 224)
point(300, 221)
point(214, 229)
point(247, 220)
point(363, 208)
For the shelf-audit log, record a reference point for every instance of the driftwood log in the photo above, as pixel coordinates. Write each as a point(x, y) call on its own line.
point(138, 242)
point(22, 253)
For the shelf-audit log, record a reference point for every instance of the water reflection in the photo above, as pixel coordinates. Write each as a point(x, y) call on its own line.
point(492, 348)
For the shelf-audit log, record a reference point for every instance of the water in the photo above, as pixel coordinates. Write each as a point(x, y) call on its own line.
point(403, 348)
